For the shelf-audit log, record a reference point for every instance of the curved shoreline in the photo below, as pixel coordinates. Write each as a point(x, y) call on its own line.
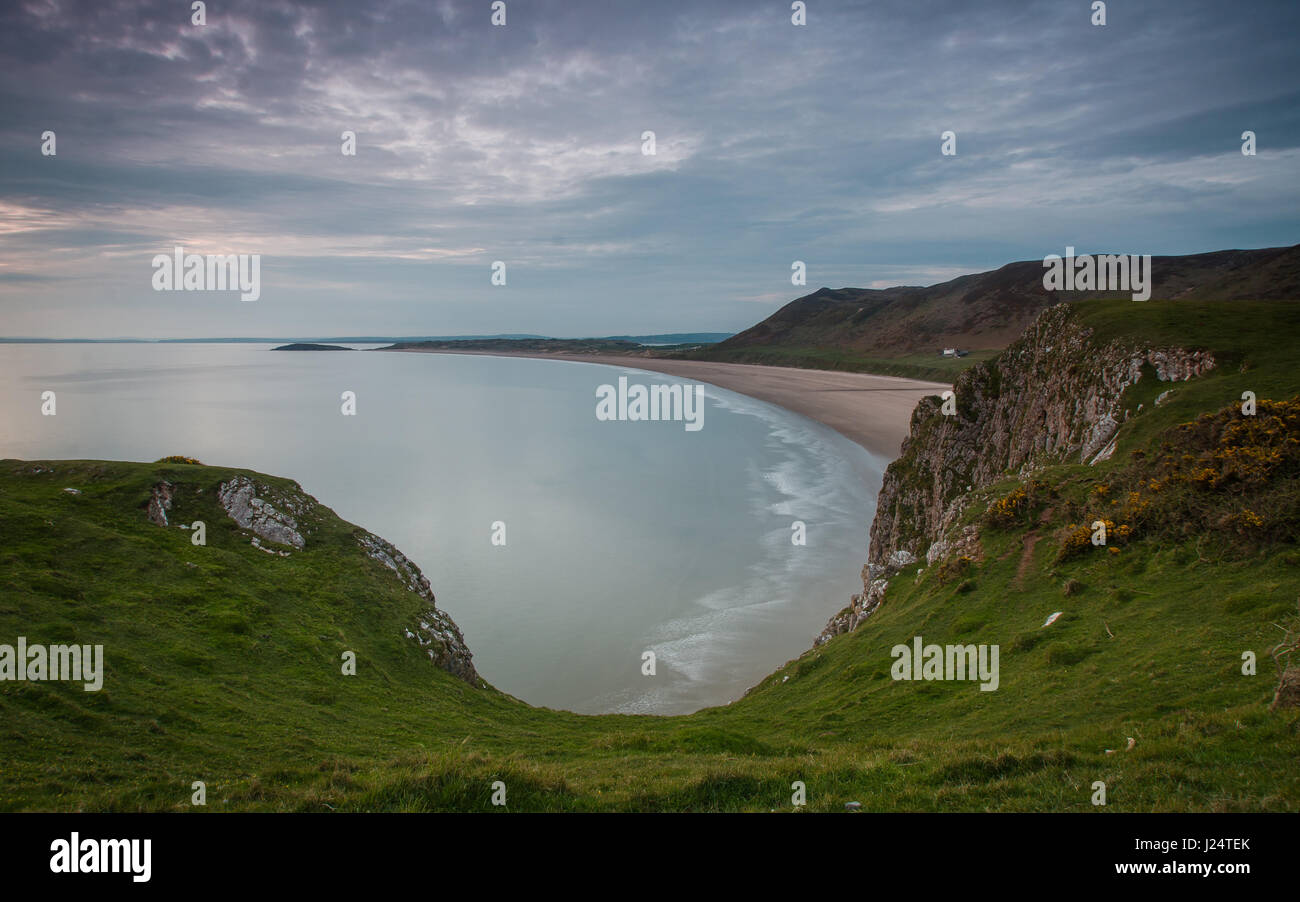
point(873, 411)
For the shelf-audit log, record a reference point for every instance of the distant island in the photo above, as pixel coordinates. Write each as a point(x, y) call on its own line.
point(309, 346)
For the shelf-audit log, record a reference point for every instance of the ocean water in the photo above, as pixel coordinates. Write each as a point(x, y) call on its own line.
point(621, 537)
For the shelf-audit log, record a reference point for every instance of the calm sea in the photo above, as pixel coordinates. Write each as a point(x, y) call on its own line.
point(621, 537)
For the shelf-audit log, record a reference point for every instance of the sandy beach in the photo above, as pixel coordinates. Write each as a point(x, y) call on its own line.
point(874, 411)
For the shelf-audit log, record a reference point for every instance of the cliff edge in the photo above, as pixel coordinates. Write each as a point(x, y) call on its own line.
point(1055, 395)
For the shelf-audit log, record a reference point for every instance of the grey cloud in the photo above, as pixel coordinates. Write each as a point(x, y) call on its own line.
point(522, 143)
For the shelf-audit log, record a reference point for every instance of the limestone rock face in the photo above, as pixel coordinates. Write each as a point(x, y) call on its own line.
point(436, 632)
point(859, 609)
point(280, 518)
point(1055, 394)
point(160, 503)
point(240, 500)
point(901, 558)
point(965, 543)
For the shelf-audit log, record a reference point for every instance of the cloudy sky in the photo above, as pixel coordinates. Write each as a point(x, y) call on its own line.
point(522, 143)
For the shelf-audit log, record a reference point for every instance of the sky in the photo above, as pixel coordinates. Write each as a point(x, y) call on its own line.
point(523, 143)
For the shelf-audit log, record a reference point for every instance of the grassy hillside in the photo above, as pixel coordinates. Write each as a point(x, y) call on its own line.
point(880, 330)
point(224, 662)
point(927, 366)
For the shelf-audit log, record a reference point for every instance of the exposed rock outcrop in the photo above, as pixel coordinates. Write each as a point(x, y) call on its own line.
point(159, 503)
point(239, 498)
point(436, 632)
point(859, 609)
point(964, 543)
point(281, 519)
point(1053, 395)
point(273, 516)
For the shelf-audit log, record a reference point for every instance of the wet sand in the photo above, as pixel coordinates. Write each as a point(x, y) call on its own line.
point(874, 411)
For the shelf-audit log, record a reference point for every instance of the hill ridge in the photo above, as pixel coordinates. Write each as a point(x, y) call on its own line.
point(988, 310)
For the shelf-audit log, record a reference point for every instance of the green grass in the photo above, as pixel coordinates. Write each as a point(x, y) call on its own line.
point(929, 367)
point(228, 672)
point(223, 663)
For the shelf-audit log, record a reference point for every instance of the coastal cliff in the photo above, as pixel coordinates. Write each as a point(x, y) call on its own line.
point(1055, 395)
point(278, 518)
point(226, 601)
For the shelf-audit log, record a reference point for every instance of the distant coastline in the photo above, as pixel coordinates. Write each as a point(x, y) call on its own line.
point(661, 339)
point(873, 411)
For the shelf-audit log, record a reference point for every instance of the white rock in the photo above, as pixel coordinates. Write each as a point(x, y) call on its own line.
point(901, 558)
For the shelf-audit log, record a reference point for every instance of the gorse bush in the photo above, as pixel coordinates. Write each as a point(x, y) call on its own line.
point(1007, 511)
point(1017, 508)
point(1233, 452)
point(1226, 474)
point(1078, 539)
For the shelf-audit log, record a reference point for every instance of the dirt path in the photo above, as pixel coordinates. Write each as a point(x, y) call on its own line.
point(1026, 559)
